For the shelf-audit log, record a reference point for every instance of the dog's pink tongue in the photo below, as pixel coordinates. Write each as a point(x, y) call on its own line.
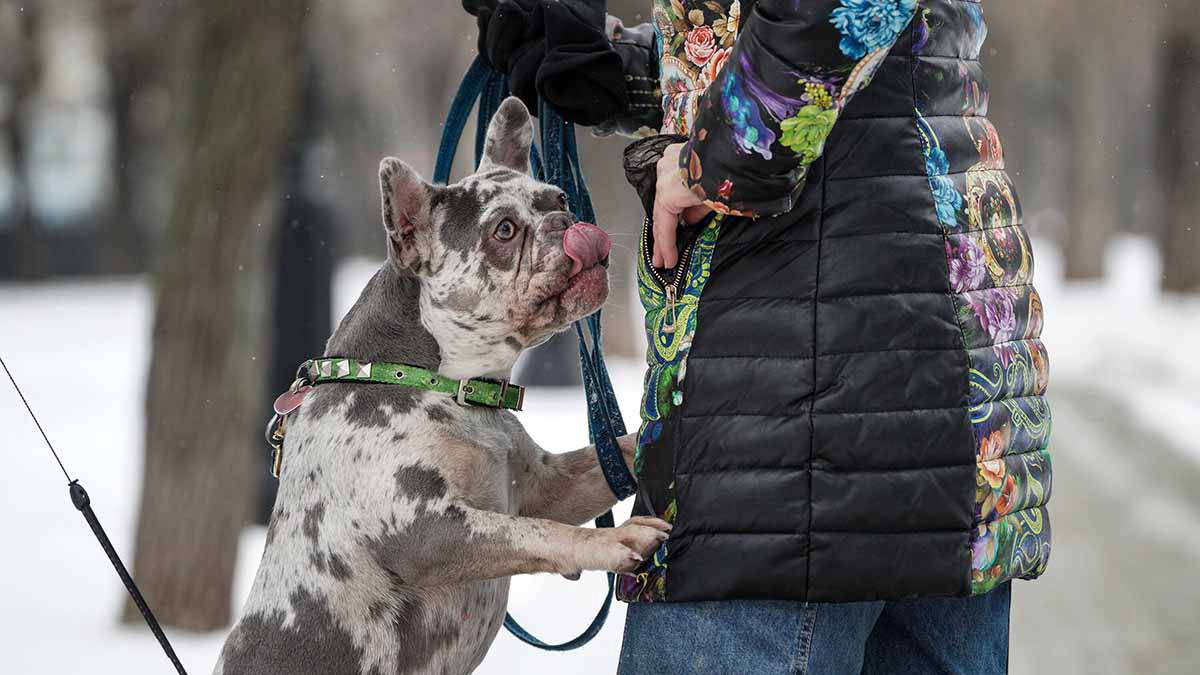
point(586, 245)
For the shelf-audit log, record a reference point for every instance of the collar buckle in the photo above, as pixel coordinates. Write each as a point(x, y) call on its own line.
point(464, 388)
point(504, 386)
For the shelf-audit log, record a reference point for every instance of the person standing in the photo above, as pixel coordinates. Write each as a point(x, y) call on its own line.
point(844, 415)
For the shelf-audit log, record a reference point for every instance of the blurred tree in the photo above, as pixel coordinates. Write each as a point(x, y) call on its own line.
point(1179, 152)
point(24, 252)
point(302, 284)
point(132, 30)
point(387, 72)
point(1093, 199)
point(237, 88)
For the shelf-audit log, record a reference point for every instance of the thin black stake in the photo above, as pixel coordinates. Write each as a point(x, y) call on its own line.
point(79, 497)
point(35, 419)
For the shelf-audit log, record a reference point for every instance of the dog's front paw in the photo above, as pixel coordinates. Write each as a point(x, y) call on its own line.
point(622, 549)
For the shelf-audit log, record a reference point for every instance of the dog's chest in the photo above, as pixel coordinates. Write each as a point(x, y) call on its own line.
point(383, 442)
point(356, 471)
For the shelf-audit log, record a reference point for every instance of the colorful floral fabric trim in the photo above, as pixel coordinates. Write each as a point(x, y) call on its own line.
point(1011, 483)
point(770, 108)
point(669, 333)
point(1010, 370)
point(993, 258)
point(695, 39)
point(997, 316)
point(1016, 546)
point(870, 25)
point(990, 266)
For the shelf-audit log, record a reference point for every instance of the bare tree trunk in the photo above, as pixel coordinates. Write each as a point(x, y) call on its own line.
point(1179, 105)
point(129, 28)
point(21, 71)
point(1094, 201)
point(239, 90)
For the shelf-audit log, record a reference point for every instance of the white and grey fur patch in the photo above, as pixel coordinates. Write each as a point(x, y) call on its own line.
point(324, 600)
point(400, 515)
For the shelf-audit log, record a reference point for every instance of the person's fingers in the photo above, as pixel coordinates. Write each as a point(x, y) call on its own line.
point(665, 224)
point(650, 521)
point(655, 258)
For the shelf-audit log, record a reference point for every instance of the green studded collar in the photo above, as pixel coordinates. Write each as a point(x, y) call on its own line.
point(491, 393)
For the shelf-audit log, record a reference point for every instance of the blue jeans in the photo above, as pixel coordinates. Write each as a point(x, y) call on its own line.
point(961, 636)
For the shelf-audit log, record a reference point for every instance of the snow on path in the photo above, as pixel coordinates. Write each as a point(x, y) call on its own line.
point(65, 341)
point(1125, 338)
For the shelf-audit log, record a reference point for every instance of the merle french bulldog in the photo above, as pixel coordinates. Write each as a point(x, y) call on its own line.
point(401, 514)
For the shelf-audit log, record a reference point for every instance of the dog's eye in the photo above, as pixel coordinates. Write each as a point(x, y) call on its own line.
point(562, 202)
point(505, 230)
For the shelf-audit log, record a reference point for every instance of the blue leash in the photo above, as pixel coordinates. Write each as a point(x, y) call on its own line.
point(557, 163)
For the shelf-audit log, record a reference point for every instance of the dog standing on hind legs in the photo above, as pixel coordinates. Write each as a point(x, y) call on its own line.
point(401, 514)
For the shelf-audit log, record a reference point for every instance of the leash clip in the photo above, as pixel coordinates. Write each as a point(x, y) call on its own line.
point(285, 405)
point(300, 381)
point(305, 371)
point(276, 430)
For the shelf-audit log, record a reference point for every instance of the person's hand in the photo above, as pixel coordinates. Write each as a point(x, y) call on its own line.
point(672, 200)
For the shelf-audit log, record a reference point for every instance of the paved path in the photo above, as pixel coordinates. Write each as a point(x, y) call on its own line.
point(1121, 594)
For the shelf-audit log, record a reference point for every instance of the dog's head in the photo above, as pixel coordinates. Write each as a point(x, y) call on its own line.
point(502, 262)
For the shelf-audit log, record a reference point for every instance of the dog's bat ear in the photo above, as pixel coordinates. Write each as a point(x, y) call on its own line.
point(509, 137)
point(407, 218)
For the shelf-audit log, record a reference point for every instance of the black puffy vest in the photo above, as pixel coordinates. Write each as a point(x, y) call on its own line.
point(845, 402)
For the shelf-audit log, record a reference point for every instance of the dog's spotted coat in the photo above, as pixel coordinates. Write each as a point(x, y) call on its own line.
point(401, 515)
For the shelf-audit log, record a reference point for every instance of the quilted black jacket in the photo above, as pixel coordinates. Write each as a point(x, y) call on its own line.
point(844, 397)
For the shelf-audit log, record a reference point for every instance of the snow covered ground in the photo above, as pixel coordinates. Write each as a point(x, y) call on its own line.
point(1125, 338)
point(80, 351)
point(59, 599)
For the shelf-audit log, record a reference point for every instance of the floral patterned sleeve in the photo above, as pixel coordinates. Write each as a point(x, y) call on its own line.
point(764, 119)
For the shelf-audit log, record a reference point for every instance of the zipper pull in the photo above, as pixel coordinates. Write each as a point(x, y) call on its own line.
point(670, 328)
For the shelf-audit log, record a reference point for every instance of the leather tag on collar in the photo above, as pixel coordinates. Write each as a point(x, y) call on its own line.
point(287, 402)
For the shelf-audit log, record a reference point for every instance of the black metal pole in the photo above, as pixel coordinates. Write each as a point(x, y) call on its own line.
point(79, 497)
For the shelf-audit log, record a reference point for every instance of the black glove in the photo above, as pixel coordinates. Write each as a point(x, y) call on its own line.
point(562, 51)
point(516, 45)
point(581, 74)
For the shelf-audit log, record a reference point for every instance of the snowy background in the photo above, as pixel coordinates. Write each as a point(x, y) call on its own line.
point(96, 147)
point(1119, 596)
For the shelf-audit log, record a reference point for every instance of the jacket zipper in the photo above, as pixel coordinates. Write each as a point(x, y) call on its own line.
point(671, 288)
